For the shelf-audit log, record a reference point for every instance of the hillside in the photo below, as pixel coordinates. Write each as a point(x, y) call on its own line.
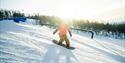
point(26, 42)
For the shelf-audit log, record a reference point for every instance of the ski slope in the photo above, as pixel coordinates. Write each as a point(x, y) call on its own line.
point(30, 43)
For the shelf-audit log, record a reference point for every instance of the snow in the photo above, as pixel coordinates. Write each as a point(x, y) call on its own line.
point(26, 42)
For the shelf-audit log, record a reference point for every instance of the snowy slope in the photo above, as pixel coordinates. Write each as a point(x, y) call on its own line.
point(29, 43)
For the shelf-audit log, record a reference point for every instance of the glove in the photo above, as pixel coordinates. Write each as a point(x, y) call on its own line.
point(70, 35)
point(53, 33)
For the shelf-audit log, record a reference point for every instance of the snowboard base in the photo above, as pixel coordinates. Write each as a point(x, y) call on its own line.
point(56, 42)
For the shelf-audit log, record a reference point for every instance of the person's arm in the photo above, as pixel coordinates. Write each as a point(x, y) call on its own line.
point(55, 31)
point(70, 33)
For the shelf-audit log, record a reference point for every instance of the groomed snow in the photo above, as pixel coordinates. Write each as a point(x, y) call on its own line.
point(30, 43)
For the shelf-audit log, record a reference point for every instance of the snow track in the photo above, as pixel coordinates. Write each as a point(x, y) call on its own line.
point(29, 43)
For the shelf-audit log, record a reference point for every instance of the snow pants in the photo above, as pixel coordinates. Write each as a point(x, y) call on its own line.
point(64, 38)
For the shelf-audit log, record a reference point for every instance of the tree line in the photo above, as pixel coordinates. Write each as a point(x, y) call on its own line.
point(10, 13)
point(117, 30)
point(107, 29)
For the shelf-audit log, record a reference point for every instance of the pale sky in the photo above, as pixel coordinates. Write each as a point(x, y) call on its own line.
point(78, 9)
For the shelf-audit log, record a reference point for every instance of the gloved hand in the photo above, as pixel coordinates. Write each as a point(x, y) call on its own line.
point(70, 35)
point(53, 33)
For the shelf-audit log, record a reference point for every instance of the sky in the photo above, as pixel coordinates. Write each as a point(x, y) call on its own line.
point(70, 9)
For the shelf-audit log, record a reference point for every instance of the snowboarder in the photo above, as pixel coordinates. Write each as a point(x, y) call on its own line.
point(63, 29)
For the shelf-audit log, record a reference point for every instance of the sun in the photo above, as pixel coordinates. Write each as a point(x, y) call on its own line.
point(66, 11)
point(73, 10)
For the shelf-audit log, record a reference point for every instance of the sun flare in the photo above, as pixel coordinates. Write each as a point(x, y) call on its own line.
point(70, 9)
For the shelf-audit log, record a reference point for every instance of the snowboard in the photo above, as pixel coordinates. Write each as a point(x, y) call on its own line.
point(56, 42)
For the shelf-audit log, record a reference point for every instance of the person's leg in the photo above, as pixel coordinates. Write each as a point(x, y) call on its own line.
point(67, 41)
point(61, 39)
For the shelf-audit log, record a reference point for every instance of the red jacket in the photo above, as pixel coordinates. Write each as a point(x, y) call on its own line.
point(63, 29)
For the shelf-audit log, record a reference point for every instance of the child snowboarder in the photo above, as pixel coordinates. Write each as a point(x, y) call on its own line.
point(63, 29)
